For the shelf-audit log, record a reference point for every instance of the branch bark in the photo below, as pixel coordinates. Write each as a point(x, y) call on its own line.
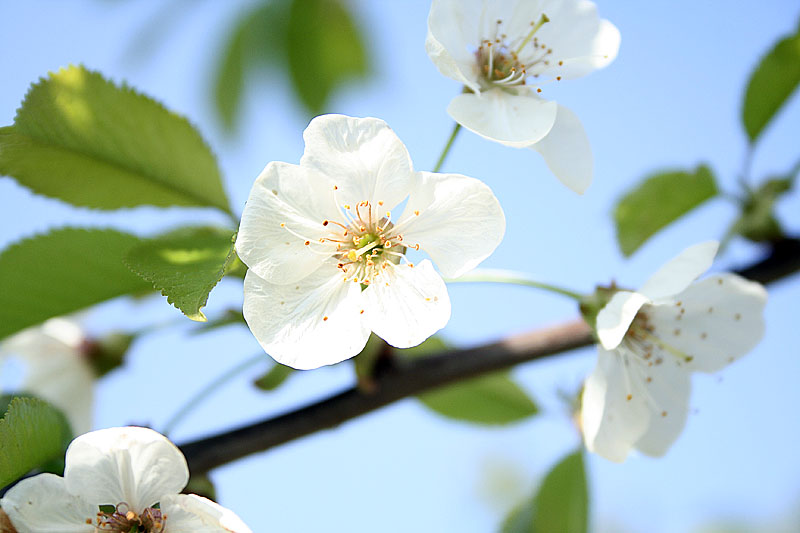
point(405, 378)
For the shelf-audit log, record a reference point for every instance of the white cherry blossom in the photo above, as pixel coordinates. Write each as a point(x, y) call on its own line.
point(117, 480)
point(56, 368)
point(503, 52)
point(652, 339)
point(327, 250)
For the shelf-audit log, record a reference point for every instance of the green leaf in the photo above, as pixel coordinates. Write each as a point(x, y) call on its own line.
point(184, 265)
point(32, 433)
point(274, 377)
point(772, 83)
point(256, 39)
point(561, 503)
point(757, 221)
point(325, 50)
point(660, 199)
point(61, 272)
point(493, 399)
point(82, 139)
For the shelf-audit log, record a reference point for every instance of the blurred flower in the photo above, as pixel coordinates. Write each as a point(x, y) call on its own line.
point(327, 258)
point(56, 368)
point(497, 47)
point(117, 480)
point(638, 395)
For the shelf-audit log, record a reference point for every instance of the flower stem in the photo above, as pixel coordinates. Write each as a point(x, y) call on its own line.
point(206, 391)
point(447, 147)
point(490, 275)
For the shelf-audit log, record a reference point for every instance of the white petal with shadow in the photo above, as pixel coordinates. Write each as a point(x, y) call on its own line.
point(680, 271)
point(406, 305)
point(615, 318)
point(363, 157)
point(42, 504)
point(567, 151)
point(189, 513)
point(313, 322)
point(134, 465)
point(719, 319)
point(459, 221)
point(516, 120)
point(275, 252)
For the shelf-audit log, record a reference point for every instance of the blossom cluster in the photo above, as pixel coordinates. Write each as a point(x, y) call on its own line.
point(353, 240)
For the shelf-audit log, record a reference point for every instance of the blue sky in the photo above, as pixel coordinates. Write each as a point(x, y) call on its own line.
point(670, 100)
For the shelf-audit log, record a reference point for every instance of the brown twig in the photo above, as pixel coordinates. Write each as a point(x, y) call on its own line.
point(406, 378)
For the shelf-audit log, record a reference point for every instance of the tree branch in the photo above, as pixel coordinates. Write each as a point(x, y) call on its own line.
point(405, 378)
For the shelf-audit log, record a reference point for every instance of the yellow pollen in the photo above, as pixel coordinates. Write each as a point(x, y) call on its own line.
point(324, 319)
point(283, 225)
point(352, 255)
point(416, 213)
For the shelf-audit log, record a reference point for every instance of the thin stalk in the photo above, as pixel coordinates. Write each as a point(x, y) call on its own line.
point(447, 147)
point(206, 391)
point(511, 277)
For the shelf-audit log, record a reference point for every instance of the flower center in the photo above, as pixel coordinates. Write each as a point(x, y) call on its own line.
point(363, 242)
point(122, 519)
point(642, 338)
point(509, 62)
point(366, 243)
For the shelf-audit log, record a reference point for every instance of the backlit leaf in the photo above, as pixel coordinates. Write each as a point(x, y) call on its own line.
point(82, 139)
point(660, 199)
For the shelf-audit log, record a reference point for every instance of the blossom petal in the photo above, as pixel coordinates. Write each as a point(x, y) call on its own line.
point(189, 513)
point(632, 401)
point(667, 397)
point(718, 320)
point(406, 305)
point(455, 219)
point(276, 224)
point(42, 504)
point(56, 370)
point(67, 381)
point(134, 465)
point(453, 26)
point(580, 41)
point(611, 423)
point(516, 120)
point(680, 271)
point(567, 151)
point(363, 157)
point(615, 318)
point(289, 320)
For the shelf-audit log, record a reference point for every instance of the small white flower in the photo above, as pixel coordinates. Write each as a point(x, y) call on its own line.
point(638, 395)
point(117, 479)
point(327, 253)
point(56, 368)
point(496, 48)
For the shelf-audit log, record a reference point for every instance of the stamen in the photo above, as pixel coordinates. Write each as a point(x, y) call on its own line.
point(543, 19)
